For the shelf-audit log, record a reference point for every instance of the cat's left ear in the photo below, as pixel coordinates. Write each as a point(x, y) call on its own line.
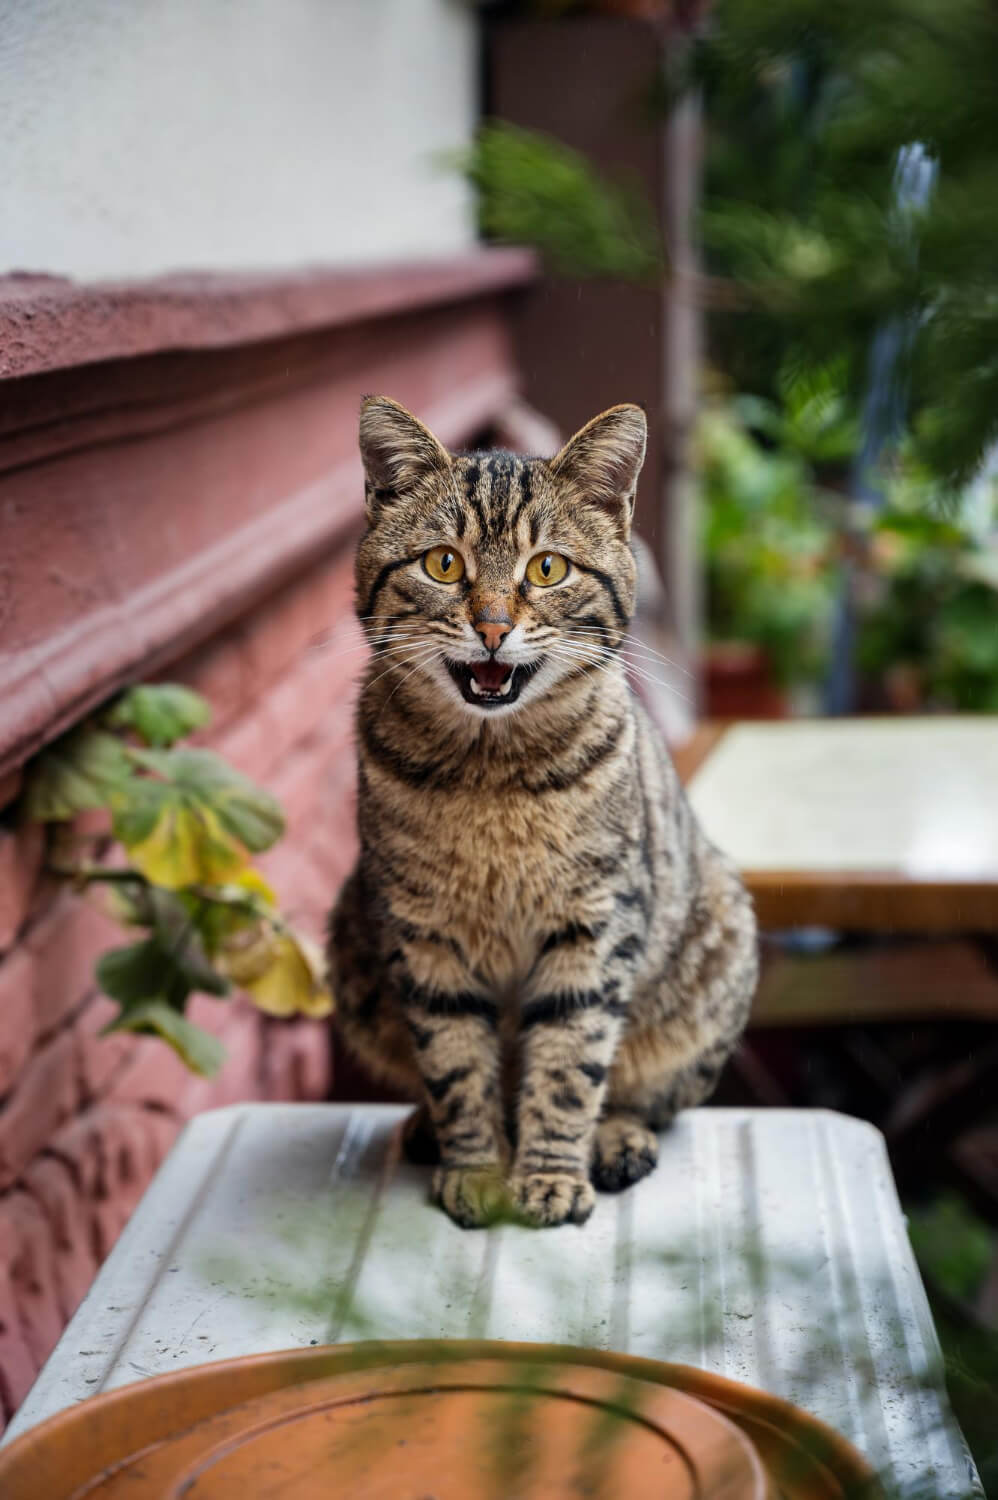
point(603, 460)
point(397, 450)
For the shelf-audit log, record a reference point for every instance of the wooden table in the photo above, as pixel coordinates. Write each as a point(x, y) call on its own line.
point(877, 829)
point(873, 825)
point(768, 1246)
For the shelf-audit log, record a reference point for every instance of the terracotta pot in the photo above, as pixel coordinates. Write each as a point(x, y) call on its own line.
point(678, 16)
point(904, 688)
point(738, 683)
point(458, 1420)
point(644, 10)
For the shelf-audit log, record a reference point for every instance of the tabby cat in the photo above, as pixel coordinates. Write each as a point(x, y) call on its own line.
point(537, 940)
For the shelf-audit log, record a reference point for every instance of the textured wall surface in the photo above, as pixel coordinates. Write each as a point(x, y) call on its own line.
point(85, 1120)
point(145, 138)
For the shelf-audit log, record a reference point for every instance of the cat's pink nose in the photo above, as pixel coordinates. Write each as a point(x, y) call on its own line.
point(492, 632)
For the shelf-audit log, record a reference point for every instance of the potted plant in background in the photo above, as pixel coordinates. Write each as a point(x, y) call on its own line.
point(928, 628)
point(771, 547)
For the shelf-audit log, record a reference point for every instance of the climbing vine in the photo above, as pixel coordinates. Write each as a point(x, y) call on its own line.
point(172, 860)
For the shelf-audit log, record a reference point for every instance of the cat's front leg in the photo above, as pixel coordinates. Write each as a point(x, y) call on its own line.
point(456, 1047)
point(570, 1023)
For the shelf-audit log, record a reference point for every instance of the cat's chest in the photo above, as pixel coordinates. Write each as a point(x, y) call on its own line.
point(501, 877)
point(508, 852)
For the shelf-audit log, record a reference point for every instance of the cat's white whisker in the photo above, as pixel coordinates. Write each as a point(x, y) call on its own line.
point(578, 656)
point(631, 643)
point(411, 653)
point(611, 653)
point(627, 640)
point(425, 662)
point(323, 643)
point(604, 657)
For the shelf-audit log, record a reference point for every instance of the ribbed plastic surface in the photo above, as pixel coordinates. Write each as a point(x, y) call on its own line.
point(768, 1246)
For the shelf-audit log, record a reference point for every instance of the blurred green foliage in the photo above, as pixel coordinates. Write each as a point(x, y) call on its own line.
point(809, 110)
point(929, 605)
point(777, 520)
point(970, 1354)
point(769, 543)
point(532, 190)
point(808, 107)
point(954, 1247)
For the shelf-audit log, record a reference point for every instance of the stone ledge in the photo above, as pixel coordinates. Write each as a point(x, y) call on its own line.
point(47, 323)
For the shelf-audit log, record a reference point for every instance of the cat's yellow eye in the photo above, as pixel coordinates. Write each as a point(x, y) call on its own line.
point(443, 564)
point(546, 568)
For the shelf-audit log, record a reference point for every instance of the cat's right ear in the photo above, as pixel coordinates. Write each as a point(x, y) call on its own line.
point(397, 450)
point(601, 463)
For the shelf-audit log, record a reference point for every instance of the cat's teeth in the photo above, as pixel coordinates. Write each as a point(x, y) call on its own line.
point(491, 692)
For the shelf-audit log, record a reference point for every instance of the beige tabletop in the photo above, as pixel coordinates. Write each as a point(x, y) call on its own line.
point(872, 824)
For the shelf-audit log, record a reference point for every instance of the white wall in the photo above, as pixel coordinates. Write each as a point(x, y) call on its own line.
point(143, 136)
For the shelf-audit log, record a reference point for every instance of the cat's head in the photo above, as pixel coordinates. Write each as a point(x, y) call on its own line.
point(496, 580)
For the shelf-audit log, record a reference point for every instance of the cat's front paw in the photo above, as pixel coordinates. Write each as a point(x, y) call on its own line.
point(545, 1199)
point(472, 1196)
point(624, 1151)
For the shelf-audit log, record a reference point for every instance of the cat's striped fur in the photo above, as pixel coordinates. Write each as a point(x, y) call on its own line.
point(537, 940)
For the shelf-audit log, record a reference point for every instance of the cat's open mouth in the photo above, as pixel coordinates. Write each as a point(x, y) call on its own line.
point(491, 683)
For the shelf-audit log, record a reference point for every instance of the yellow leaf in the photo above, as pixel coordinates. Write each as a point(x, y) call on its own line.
point(188, 846)
point(320, 1001)
point(293, 983)
point(246, 953)
point(251, 880)
point(319, 1004)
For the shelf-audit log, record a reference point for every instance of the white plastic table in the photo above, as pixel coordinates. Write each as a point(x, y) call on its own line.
point(870, 824)
point(768, 1246)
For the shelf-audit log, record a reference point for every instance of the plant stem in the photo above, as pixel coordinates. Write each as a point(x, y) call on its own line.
point(89, 874)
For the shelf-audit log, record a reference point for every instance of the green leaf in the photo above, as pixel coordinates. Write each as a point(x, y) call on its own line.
point(533, 190)
point(245, 810)
point(178, 929)
point(83, 770)
point(154, 967)
point(160, 712)
point(136, 808)
point(202, 1052)
point(133, 973)
point(187, 846)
